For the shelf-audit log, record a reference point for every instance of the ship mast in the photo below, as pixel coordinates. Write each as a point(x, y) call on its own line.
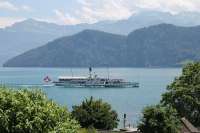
point(71, 72)
point(108, 72)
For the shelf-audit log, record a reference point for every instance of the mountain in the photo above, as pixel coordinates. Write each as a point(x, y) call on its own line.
point(163, 45)
point(83, 49)
point(29, 34)
point(145, 19)
point(15, 43)
point(34, 26)
point(24, 36)
point(124, 27)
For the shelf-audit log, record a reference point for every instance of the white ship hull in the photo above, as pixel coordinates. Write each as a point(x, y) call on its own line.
point(97, 85)
point(93, 82)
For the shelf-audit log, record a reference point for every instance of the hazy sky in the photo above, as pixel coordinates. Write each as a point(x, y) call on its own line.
point(86, 11)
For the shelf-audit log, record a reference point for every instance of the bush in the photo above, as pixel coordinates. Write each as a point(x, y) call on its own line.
point(89, 130)
point(184, 93)
point(95, 113)
point(24, 111)
point(159, 119)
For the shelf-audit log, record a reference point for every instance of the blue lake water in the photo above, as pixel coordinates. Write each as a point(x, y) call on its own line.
point(131, 101)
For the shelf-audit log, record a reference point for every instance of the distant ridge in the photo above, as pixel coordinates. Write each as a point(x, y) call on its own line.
point(30, 33)
point(162, 45)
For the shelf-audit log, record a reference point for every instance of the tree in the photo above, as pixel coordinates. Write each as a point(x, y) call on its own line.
point(95, 113)
point(159, 119)
point(89, 130)
point(184, 93)
point(26, 111)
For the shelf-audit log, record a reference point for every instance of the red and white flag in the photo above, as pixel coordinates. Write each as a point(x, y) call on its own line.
point(47, 79)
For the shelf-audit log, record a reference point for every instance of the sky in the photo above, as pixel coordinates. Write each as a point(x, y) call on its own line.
point(70, 12)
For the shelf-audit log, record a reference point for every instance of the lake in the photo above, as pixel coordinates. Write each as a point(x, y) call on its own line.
point(131, 101)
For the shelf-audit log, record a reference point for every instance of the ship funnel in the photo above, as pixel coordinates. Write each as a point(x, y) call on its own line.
point(90, 72)
point(90, 69)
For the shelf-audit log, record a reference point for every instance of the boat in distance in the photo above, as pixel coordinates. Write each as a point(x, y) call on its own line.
point(93, 81)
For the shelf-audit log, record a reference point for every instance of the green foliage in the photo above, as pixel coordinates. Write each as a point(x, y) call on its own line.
point(95, 113)
point(184, 93)
point(159, 119)
point(89, 130)
point(24, 111)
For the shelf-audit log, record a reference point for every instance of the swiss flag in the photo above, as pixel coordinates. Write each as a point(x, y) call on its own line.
point(47, 79)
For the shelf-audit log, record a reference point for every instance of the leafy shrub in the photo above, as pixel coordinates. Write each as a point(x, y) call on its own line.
point(95, 113)
point(89, 130)
point(184, 93)
point(159, 119)
point(24, 111)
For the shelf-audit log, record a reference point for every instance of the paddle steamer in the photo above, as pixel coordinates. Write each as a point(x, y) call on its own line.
point(93, 81)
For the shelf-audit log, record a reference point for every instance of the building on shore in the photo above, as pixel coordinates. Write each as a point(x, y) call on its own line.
point(187, 127)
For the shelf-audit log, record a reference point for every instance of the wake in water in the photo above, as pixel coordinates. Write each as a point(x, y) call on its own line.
point(27, 85)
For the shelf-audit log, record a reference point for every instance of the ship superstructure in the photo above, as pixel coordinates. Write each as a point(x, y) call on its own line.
point(93, 81)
